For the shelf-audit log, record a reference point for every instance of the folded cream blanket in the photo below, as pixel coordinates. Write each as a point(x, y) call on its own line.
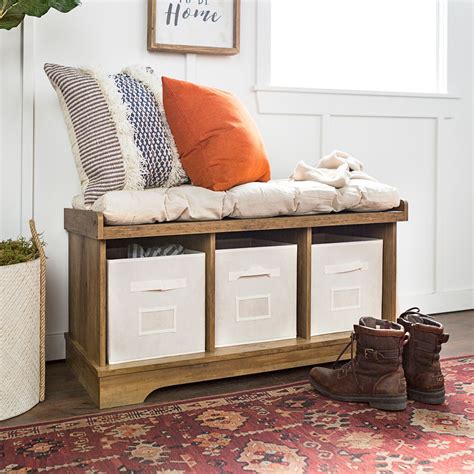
point(336, 170)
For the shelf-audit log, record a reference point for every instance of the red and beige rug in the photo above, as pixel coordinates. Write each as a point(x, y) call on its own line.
point(285, 429)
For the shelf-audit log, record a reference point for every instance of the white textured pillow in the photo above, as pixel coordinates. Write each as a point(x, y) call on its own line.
point(118, 129)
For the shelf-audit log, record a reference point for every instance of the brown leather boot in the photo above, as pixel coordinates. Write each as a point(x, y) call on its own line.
point(425, 382)
point(375, 374)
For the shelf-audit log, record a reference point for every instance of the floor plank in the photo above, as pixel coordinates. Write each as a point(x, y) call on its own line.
point(65, 397)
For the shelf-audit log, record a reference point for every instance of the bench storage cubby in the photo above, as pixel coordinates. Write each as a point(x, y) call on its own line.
point(155, 306)
point(346, 281)
point(92, 293)
point(255, 291)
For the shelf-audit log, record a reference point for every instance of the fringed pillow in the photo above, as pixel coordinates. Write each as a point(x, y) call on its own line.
point(118, 129)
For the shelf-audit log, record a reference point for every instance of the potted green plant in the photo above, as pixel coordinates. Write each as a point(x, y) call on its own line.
point(22, 324)
point(12, 12)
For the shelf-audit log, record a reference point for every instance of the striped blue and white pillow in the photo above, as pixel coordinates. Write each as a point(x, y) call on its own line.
point(118, 129)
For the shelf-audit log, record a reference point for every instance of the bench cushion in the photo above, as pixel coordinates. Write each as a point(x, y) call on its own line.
point(252, 200)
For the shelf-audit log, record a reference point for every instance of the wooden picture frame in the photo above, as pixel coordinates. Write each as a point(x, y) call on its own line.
point(155, 45)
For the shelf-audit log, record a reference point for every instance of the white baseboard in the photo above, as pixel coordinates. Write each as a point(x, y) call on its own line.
point(55, 346)
point(433, 303)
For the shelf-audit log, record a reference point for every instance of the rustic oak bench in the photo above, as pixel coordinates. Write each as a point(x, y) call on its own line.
point(131, 382)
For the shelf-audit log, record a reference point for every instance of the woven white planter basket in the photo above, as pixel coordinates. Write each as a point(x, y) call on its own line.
point(21, 336)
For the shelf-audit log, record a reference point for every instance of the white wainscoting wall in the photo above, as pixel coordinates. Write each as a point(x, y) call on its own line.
point(420, 144)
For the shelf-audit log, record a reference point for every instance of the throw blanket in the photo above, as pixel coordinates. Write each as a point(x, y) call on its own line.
point(336, 170)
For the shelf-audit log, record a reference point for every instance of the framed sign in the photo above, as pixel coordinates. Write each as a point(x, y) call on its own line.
point(194, 26)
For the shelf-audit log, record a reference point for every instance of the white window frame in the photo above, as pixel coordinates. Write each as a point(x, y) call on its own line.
point(263, 79)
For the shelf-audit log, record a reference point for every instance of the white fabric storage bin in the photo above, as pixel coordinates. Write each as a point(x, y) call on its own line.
point(156, 306)
point(346, 281)
point(255, 291)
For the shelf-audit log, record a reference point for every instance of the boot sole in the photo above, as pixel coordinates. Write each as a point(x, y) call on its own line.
point(381, 402)
point(431, 398)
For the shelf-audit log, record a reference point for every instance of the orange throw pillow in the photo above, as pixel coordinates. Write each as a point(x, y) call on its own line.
point(219, 143)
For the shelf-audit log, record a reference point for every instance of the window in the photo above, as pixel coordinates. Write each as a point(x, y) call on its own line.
point(375, 45)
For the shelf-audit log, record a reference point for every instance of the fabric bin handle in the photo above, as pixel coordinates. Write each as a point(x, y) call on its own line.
point(255, 272)
point(157, 285)
point(345, 268)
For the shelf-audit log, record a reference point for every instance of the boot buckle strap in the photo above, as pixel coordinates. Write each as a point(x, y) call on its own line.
point(370, 352)
point(375, 354)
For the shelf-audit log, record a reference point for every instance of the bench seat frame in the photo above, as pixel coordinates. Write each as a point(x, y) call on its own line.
point(131, 382)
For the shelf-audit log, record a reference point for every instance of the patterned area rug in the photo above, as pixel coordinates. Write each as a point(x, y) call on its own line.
point(284, 429)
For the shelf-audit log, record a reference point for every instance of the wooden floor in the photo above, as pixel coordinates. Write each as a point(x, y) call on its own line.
point(65, 397)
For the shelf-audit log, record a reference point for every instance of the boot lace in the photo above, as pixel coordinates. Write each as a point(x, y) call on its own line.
point(417, 312)
point(350, 365)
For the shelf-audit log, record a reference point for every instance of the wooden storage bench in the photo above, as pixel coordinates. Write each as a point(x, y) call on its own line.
point(131, 382)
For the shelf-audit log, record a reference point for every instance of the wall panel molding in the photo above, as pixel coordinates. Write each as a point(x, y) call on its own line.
point(440, 302)
point(55, 346)
point(10, 132)
point(27, 125)
point(437, 257)
point(317, 103)
point(440, 109)
point(325, 133)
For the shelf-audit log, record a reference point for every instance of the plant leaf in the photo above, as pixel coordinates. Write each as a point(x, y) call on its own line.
point(12, 12)
point(6, 4)
point(34, 7)
point(12, 18)
point(65, 6)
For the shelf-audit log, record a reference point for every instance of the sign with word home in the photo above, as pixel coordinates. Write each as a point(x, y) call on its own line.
point(194, 26)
